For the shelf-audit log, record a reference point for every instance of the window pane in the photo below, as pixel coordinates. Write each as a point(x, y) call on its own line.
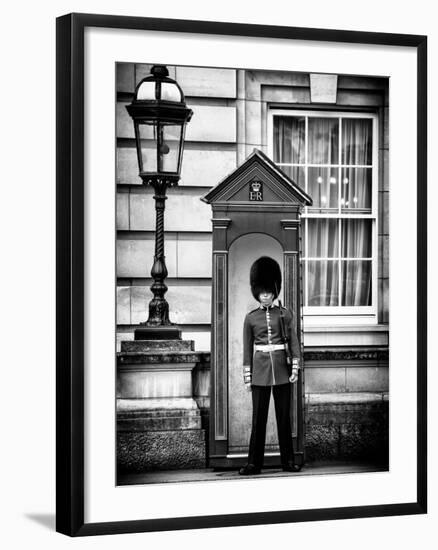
point(323, 283)
point(323, 238)
point(356, 189)
point(323, 188)
point(323, 140)
point(357, 141)
point(289, 140)
point(356, 282)
point(356, 238)
point(296, 173)
point(336, 171)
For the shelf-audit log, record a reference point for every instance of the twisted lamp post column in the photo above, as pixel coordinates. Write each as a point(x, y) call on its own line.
point(158, 306)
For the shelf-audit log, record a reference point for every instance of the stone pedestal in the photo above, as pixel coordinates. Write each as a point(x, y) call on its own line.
point(158, 421)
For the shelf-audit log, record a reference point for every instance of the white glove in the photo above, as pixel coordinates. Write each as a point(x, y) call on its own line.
point(295, 369)
point(294, 376)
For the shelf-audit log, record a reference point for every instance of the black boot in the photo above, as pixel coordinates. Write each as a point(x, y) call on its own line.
point(290, 466)
point(249, 470)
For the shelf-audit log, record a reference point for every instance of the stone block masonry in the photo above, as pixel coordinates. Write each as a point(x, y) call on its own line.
point(347, 426)
point(159, 434)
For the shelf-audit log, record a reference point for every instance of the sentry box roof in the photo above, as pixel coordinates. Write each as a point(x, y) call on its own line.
point(278, 187)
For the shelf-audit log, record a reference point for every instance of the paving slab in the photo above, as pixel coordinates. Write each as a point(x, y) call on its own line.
point(208, 474)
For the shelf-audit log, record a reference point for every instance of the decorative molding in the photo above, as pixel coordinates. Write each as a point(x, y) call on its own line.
point(290, 270)
point(347, 355)
point(323, 88)
point(157, 358)
point(160, 367)
point(255, 171)
point(220, 338)
point(290, 224)
point(221, 223)
point(248, 206)
point(259, 166)
point(362, 357)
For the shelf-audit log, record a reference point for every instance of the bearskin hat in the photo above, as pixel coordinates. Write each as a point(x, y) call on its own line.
point(265, 274)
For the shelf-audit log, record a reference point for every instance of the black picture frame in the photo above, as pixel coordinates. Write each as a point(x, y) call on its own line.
point(70, 273)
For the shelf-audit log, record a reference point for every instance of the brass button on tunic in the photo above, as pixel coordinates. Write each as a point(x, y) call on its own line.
point(262, 326)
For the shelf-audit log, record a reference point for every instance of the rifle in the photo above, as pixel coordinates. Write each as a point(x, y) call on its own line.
point(286, 342)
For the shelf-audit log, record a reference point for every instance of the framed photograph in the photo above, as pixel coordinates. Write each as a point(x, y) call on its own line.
point(241, 211)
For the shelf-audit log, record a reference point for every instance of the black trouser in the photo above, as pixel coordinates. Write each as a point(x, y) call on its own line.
point(260, 407)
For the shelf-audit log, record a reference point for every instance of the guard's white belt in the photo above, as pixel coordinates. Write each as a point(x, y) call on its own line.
point(268, 347)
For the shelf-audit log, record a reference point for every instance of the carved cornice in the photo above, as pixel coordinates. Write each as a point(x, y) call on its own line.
point(366, 354)
point(290, 224)
point(221, 223)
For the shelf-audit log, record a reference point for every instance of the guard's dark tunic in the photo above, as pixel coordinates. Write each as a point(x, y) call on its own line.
point(269, 372)
point(262, 326)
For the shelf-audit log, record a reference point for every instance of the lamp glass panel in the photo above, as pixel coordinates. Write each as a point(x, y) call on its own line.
point(147, 142)
point(170, 92)
point(169, 147)
point(146, 91)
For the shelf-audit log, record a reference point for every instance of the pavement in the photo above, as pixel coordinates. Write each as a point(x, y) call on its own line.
point(208, 474)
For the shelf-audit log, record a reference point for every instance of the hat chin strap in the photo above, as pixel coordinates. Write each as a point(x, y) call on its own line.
point(271, 303)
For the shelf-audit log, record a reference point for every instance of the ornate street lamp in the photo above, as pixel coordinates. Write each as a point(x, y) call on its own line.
point(160, 115)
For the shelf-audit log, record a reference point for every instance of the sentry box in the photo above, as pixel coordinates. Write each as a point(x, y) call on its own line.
point(256, 212)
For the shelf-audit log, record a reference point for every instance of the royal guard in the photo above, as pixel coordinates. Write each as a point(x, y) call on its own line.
point(271, 359)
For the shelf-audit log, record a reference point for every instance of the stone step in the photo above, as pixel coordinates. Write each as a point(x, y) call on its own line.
point(170, 404)
point(141, 415)
point(157, 345)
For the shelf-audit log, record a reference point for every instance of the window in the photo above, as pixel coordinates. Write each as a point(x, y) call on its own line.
point(333, 157)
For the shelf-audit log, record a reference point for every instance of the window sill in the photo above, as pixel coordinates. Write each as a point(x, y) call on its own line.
point(346, 335)
point(347, 328)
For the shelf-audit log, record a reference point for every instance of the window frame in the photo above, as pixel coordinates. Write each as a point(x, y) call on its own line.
point(338, 315)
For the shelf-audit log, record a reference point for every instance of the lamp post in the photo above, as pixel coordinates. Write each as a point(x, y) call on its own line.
point(160, 115)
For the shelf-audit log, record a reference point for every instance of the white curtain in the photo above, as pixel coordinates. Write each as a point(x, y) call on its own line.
point(323, 140)
point(356, 151)
point(323, 279)
point(322, 182)
point(289, 146)
point(323, 274)
point(356, 274)
point(357, 136)
point(323, 234)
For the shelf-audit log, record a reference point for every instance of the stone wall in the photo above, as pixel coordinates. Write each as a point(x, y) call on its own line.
point(230, 118)
point(347, 427)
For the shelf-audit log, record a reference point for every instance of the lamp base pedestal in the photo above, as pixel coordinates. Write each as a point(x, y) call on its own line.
point(157, 333)
point(159, 422)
